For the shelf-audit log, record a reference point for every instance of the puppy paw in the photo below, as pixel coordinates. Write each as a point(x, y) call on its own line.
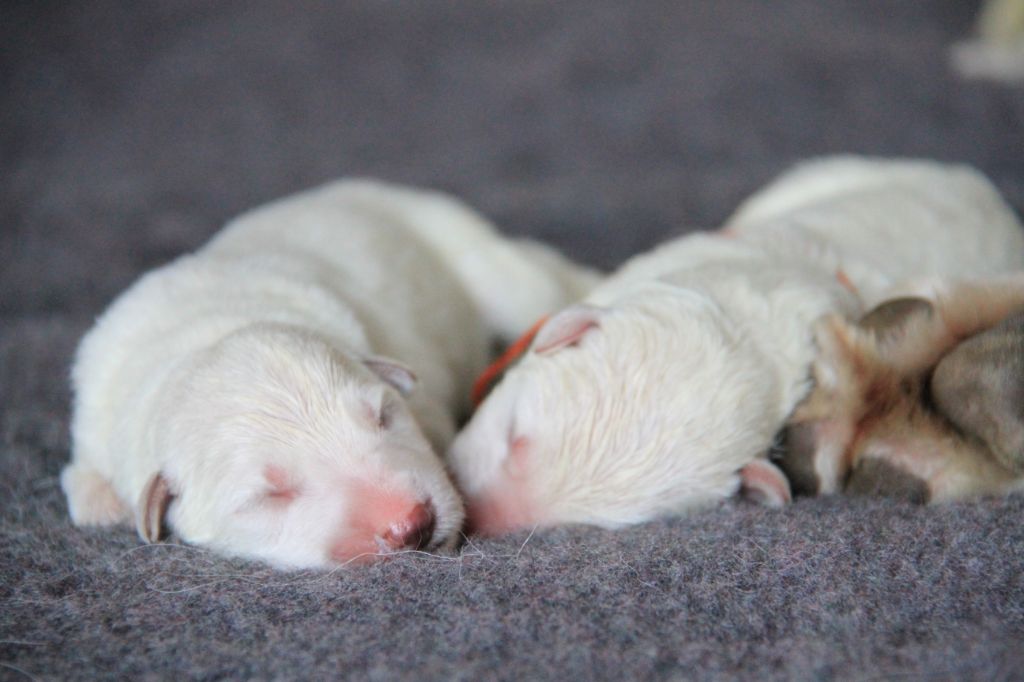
point(92, 500)
point(764, 483)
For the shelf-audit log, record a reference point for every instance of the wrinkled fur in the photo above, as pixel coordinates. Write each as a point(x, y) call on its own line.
point(657, 393)
point(261, 381)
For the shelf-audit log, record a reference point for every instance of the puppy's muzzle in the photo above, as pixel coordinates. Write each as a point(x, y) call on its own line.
point(414, 531)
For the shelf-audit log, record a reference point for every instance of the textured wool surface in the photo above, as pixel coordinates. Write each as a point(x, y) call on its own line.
point(130, 131)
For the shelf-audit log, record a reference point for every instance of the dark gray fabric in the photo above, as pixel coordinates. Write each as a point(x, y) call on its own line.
point(130, 131)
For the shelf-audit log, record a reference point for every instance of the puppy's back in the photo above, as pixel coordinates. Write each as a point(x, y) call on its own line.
point(884, 221)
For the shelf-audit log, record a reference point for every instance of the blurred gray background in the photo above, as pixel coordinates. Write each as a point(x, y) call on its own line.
point(130, 131)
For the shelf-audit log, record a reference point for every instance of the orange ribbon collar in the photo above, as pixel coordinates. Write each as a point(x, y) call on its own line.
point(489, 376)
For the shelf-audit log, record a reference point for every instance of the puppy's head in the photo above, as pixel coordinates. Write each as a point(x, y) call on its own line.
point(893, 413)
point(275, 445)
point(619, 415)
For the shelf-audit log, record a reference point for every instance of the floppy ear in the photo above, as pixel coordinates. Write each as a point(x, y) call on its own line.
point(393, 372)
point(763, 482)
point(567, 328)
point(151, 508)
point(903, 329)
point(892, 318)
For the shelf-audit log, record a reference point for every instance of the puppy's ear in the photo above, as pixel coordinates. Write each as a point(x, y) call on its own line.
point(393, 372)
point(763, 482)
point(151, 508)
point(567, 328)
point(891, 318)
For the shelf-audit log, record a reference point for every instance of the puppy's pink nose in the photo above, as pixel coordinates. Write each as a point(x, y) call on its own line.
point(382, 520)
point(414, 531)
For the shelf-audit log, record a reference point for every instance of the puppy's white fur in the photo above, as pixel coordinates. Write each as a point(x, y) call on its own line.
point(665, 387)
point(260, 380)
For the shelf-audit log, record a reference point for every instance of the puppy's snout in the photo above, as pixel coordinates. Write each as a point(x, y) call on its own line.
point(414, 530)
point(383, 521)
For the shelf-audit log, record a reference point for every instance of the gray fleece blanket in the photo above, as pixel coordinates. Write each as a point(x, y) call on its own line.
point(130, 131)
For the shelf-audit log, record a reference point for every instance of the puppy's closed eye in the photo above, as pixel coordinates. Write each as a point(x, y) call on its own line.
point(386, 414)
point(517, 461)
point(379, 411)
point(281, 490)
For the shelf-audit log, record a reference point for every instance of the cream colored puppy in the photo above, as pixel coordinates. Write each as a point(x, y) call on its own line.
point(281, 393)
point(664, 389)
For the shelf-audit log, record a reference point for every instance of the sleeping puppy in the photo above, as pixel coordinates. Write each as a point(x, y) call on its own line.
point(282, 393)
point(664, 389)
point(920, 400)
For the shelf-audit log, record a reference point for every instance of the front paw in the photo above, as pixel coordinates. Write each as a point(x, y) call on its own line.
point(92, 500)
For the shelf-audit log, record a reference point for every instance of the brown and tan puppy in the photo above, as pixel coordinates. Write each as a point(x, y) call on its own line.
point(922, 399)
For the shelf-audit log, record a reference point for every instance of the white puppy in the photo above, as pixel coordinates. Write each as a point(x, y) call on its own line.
point(664, 389)
point(282, 393)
